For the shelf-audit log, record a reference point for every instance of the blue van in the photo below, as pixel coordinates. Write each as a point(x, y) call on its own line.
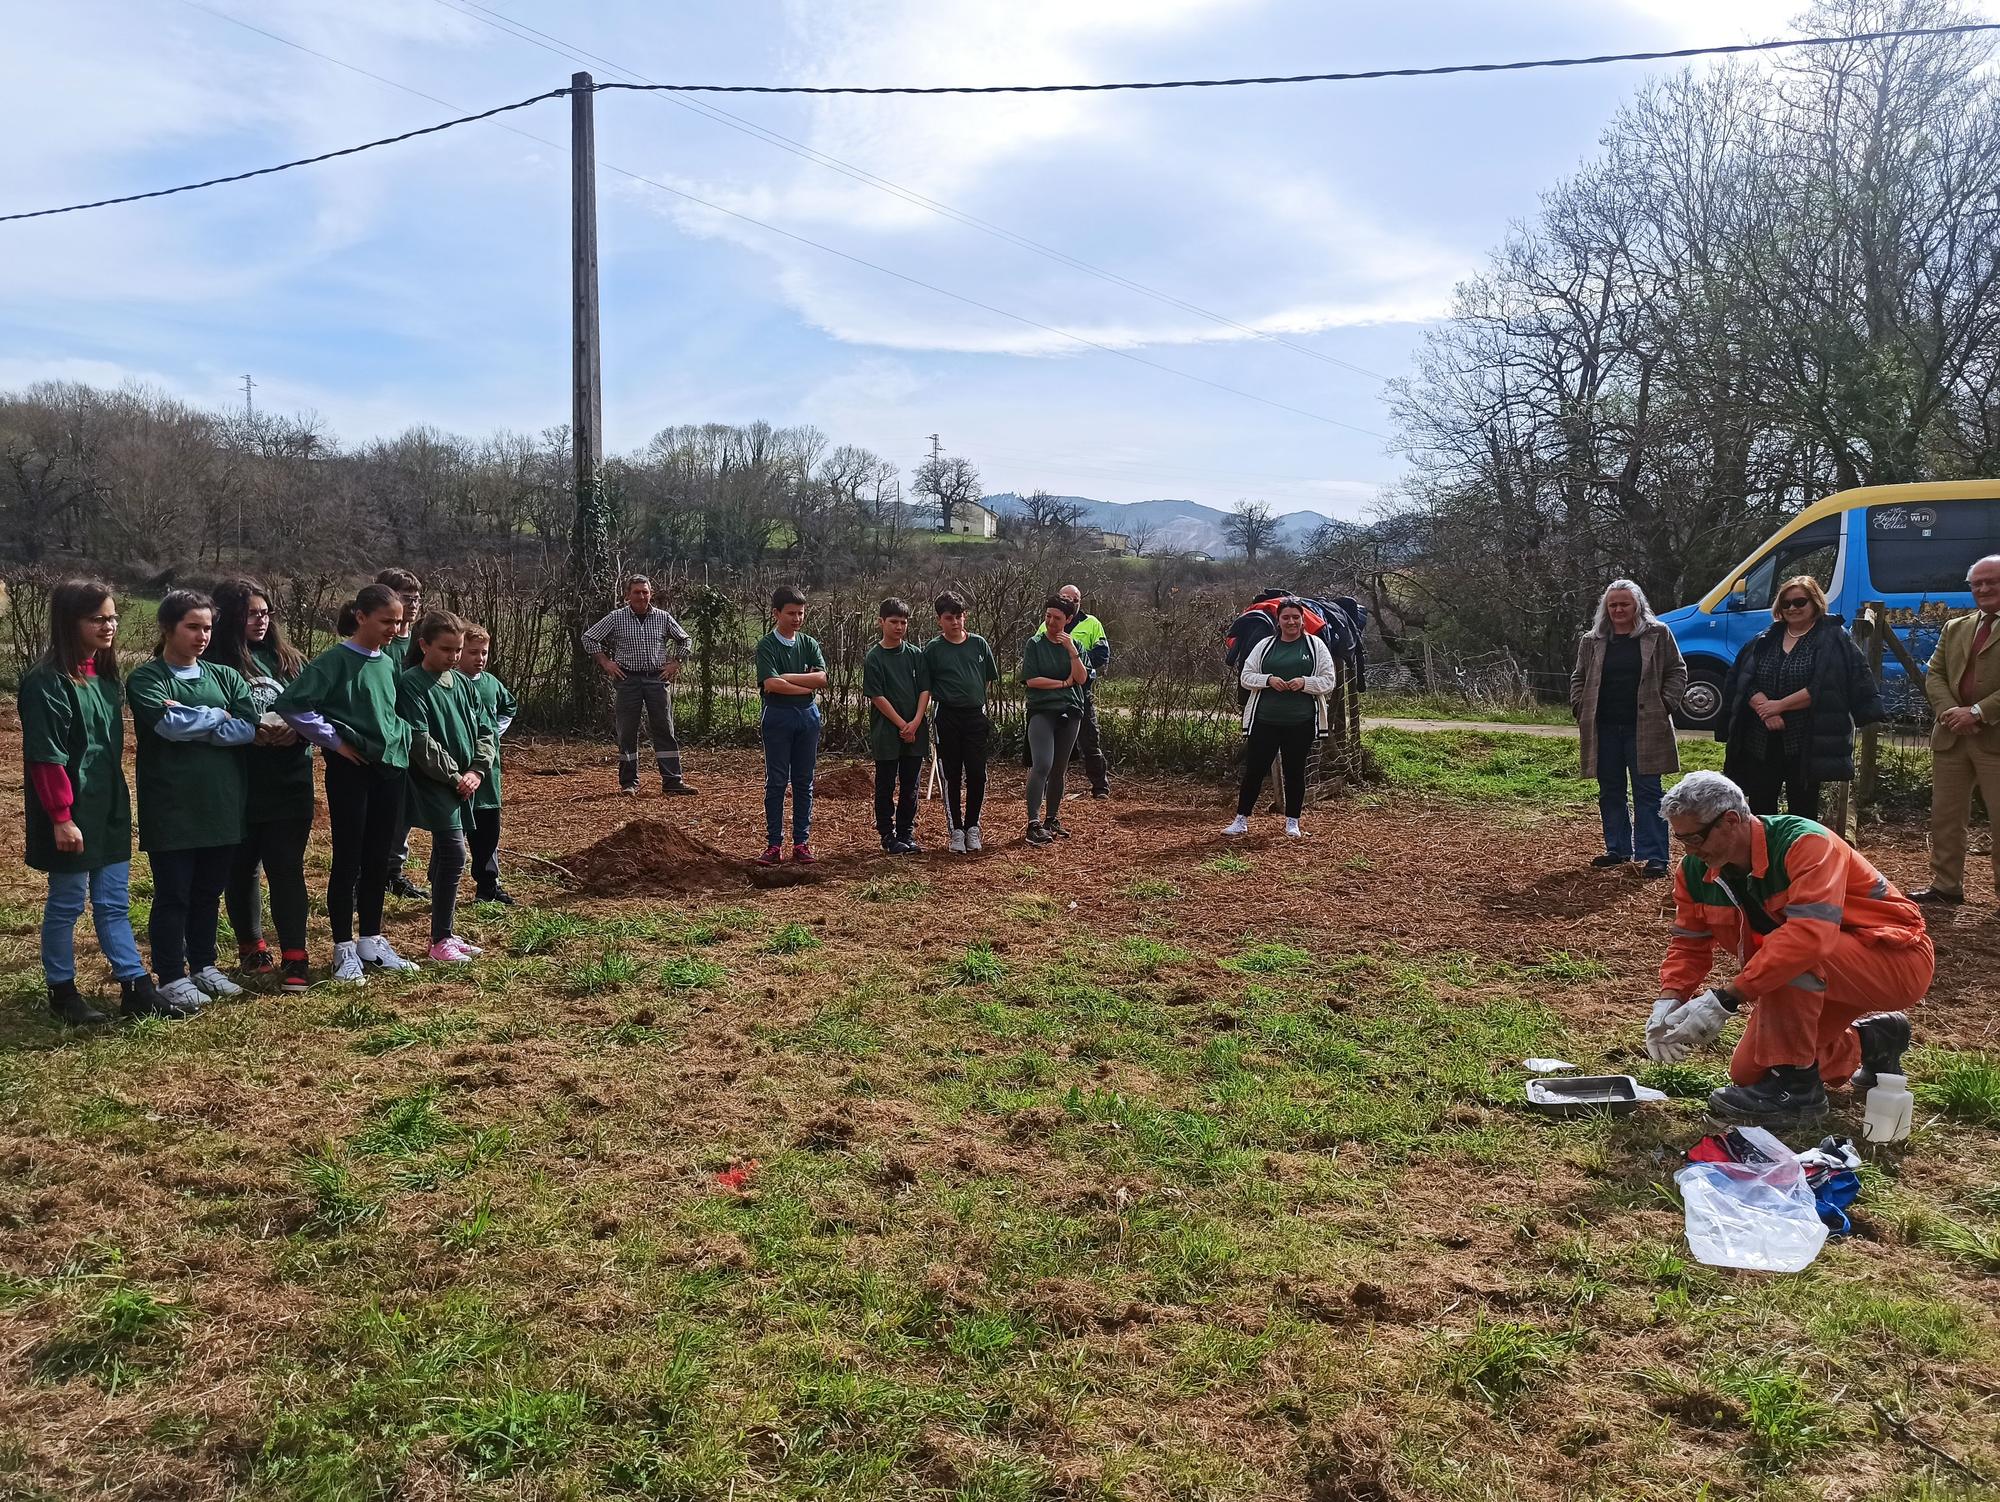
point(1908, 546)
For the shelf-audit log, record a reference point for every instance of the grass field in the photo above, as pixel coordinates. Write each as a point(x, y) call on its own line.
point(1151, 1166)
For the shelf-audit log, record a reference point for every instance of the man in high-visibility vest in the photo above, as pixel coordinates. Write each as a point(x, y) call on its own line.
point(1087, 631)
point(1830, 952)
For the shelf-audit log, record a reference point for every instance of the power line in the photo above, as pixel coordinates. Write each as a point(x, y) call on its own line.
point(304, 161)
point(521, 31)
point(1353, 77)
point(747, 219)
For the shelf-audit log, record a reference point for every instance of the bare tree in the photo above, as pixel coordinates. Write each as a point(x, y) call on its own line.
point(946, 484)
point(1252, 528)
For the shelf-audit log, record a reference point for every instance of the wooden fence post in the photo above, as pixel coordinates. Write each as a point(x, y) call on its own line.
point(1866, 776)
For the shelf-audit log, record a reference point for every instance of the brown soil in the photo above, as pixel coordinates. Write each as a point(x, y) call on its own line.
point(649, 855)
point(854, 780)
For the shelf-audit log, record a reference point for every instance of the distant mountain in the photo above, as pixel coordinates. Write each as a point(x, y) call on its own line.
point(1176, 524)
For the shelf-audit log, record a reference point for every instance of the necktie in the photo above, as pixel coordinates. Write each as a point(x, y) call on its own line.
point(1979, 640)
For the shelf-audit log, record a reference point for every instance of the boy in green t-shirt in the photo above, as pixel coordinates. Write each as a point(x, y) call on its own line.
point(791, 670)
point(896, 680)
point(497, 708)
point(963, 670)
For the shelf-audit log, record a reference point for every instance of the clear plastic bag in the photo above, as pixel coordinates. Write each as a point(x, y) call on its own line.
point(1759, 1216)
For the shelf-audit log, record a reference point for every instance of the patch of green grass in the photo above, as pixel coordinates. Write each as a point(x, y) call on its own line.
point(510, 1429)
point(841, 1028)
point(103, 1113)
point(1922, 1325)
point(1227, 865)
point(1269, 959)
point(1032, 907)
point(1779, 1407)
point(1492, 767)
point(121, 1333)
point(793, 938)
point(1968, 1243)
point(540, 930)
point(1152, 889)
point(1497, 1361)
point(1683, 1081)
point(690, 972)
point(338, 1198)
point(978, 966)
point(473, 1227)
point(610, 971)
point(1963, 1086)
point(895, 889)
point(721, 923)
point(433, 1031)
point(406, 1126)
point(357, 1012)
point(1561, 965)
point(1149, 956)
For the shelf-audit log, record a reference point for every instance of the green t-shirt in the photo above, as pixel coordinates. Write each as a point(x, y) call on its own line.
point(1042, 658)
point(443, 716)
point(495, 704)
point(961, 670)
point(1287, 660)
point(192, 794)
point(356, 694)
point(281, 777)
point(75, 723)
point(898, 676)
point(775, 659)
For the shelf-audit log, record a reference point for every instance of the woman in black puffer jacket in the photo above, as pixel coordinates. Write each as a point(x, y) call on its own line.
point(1792, 702)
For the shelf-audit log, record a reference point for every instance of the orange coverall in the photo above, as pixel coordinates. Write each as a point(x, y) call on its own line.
point(1845, 943)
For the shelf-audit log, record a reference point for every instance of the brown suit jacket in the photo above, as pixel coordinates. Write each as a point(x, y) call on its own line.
point(1947, 666)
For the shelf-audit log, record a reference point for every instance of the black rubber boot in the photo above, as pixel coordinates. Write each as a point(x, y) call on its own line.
point(402, 886)
point(1787, 1095)
point(1884, 1037)
point(141, 998)
point(66, 1004)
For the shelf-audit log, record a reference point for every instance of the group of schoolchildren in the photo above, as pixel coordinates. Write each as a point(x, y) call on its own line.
point(227, 715)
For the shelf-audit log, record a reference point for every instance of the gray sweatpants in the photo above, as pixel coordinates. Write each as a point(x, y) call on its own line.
point(1051, 738)
point(634, 698)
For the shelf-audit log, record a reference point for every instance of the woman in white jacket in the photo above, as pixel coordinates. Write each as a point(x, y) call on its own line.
point(1289, 676)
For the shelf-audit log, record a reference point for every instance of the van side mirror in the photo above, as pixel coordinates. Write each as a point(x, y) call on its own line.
point(1739, 595)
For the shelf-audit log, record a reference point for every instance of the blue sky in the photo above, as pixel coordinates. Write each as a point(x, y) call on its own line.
point(428, 283)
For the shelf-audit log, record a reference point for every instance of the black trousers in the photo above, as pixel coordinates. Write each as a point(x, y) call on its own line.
point(447, 866)
point(896, 797)
point(1290, 744)
point(1091, 748)
point(962, 732)
point(1766, 776)
point(485, 851)
point(187, 901)
point(278, 848)
point(364, 805)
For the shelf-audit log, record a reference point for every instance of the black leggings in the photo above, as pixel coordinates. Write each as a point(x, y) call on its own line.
point(896, 797)
point(1290, 744)
point(447, 865)
point(485, 851)
point(278, 846)
point(962, 732)
point(364, 804)
point(187, 898)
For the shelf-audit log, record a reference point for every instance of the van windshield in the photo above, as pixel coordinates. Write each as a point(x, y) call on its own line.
point(1926, 549)
point(1811, 550)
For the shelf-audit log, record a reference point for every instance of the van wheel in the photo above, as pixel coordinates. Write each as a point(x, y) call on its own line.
point(1702, 705)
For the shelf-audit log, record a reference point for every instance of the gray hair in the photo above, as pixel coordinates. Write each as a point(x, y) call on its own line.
point(1705, 796)
point(1978, 562)
point(1601, 626)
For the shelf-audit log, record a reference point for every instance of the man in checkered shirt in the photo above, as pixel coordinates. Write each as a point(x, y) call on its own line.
point(641, 649)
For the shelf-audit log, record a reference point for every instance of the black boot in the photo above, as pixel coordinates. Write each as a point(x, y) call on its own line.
point(1786, 1096)
point(66, 1004)
point(1884, 1036)
point(401, 886)
point(141, 998)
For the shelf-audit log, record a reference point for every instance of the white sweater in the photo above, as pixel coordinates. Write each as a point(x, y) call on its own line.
point(1323, 680)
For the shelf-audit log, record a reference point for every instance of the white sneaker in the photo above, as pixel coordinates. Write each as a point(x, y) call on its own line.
point(215, 983)
point(956, 844)
point(183, 993)
point(347, 964)
point(972, 837)
point(1293, 831)
point(375, 950)
point(1238, 825)
point(449, 952)
point(468, 948)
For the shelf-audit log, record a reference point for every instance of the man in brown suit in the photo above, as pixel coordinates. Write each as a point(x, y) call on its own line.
point(1963, 685)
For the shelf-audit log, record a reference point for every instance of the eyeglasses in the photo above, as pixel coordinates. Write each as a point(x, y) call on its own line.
point(257, 615)
point(1800, 604)
point(1696, 838)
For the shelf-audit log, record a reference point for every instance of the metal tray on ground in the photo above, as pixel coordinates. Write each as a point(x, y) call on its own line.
point(1578, 1095)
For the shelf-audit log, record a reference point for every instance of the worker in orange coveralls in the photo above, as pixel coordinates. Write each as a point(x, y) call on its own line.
point(1830, 953)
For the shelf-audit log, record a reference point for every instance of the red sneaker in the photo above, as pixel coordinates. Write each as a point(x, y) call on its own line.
point(256, 961)
point(771, 856)
point(802, 855)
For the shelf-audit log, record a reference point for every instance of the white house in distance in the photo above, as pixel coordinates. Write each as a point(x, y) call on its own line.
point(970, 519)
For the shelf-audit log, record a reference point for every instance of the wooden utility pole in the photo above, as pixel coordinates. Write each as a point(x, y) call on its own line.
point(589, 544)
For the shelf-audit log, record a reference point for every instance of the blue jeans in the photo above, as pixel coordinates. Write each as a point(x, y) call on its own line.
point(1618, 759)
point(791, 751)
point(108, 890)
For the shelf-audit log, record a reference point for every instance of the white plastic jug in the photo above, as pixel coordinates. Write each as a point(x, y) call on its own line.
point(1886, 1115)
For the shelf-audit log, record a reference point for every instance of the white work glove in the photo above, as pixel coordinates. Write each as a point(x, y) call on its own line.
point(1694, 1024)
point(1656, 1027)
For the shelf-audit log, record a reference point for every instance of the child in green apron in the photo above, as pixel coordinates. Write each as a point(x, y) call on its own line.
point(497, 709)
point(79, 815)
point(451, 755)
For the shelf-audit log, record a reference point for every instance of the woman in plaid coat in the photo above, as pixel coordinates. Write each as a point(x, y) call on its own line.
point(1627, 683)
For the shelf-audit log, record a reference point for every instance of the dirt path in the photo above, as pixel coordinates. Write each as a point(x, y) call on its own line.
point(1496, 727)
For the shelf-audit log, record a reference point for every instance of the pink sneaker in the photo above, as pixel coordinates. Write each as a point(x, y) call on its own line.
point(771, 856)
point(447, 952)
point(471, 949)
point(802, 855)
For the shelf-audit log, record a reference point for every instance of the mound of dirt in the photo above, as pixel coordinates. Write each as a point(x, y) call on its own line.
point(650, 855)
point(855, 780)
